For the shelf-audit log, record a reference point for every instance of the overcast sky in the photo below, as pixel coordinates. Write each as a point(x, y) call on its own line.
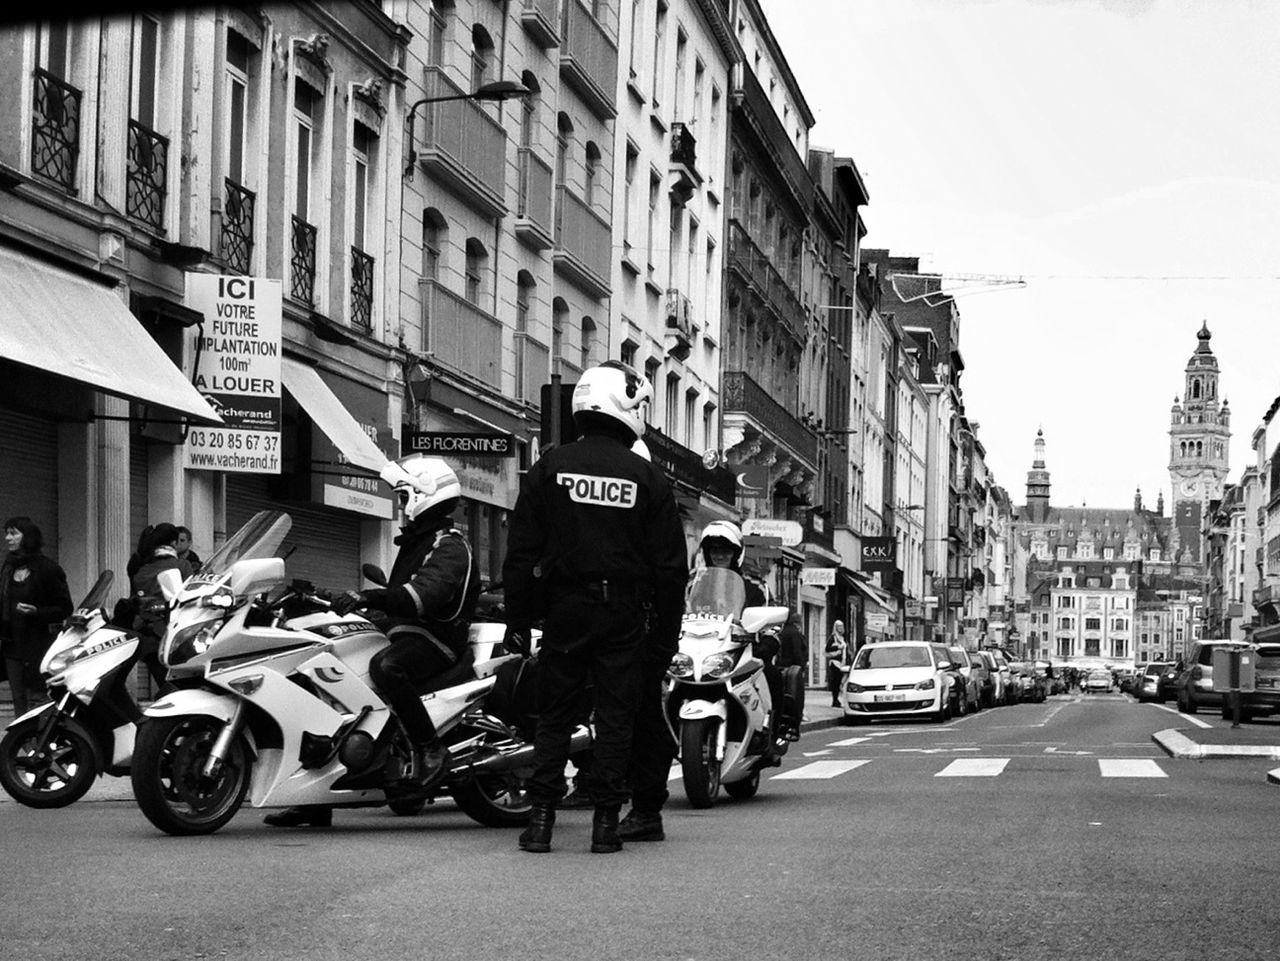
point(1073, 143)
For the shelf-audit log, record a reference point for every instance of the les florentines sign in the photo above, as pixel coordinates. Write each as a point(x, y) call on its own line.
point(459, 444)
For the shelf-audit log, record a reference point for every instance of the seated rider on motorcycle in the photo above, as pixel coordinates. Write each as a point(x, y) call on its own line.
point(429, 602)
point(721, 546)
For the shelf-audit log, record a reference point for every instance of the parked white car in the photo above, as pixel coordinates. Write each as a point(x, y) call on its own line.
point(898, 679)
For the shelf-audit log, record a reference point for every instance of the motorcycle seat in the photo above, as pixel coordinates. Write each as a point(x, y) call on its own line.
point(463, 670)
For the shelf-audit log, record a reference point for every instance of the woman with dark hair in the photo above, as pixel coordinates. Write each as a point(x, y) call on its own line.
point(155, 582)
point(33, 597)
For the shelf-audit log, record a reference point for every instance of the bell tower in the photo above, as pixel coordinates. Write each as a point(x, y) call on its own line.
point(1038, 485)
point(1199, 430)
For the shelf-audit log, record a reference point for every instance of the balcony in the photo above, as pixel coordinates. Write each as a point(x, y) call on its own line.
point(751, 100)
point(583, 241)
point(533, 368)
point(742, 395)
point(55, 129)
point(684, 164)
point(146, 176)
point(1266, 595)
point(534, 222)
point(538, 17)
point(361, 290)
point(460, 335)
point(302, 262)
point(589, 60)
point(463, 147)
point(756, 270)
point(679, 323)
point(236, 234)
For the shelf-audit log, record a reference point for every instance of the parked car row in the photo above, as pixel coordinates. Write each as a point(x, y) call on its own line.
point(935, 680)
point(1192, 684)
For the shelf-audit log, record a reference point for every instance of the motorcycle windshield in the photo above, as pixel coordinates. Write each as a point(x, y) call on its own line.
point(715, 592)
point(96, 599)
point(260, 537)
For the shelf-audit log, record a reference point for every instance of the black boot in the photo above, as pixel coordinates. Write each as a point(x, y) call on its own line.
point(305, 815)
point(536, 838)
point(430, 764)
point(604, 831)
point(641, 826)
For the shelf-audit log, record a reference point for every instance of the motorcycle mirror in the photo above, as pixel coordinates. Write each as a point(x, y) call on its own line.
point(373, 572)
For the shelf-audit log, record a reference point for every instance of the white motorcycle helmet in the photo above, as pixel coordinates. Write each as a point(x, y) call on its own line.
point(422, 482)
point(616, 391)
point(722, 533)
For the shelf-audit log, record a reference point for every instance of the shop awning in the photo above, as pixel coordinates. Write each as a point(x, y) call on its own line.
point(869, 591)
point(1265, 635)
point(71, 326)
point(334, 420)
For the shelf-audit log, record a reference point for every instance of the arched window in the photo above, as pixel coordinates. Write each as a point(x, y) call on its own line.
point(434, 235)
point(564, 137)
point(527, 381)
point(588, 342)
point(591, 157)
point(1182, 449)
point(526, 287)
point(559, 316)
point(529, 110)
point(1195, 388)
point(476, 270)
point(1199, 448)
point(481, 56)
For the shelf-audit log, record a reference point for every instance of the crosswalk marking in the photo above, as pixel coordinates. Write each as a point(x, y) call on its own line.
point(974, 767)
point(1129, 767)
point(819, 769)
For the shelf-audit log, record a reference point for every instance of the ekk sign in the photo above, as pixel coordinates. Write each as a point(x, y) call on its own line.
point(879, 553)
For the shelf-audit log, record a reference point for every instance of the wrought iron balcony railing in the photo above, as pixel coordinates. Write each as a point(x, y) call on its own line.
point(460, 335)
point(302, 262)
point(236, 241)
point(755, 267)
point(55, 129)
point(147, 175)
point(361, 289)
point(740, 394)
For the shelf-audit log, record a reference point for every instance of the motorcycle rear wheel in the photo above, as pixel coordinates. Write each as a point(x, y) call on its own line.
point(698, 765)
point(494, 800)
point(50, 775)
point(168, 779)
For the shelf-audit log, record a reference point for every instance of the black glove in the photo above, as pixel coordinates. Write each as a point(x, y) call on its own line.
point(516, 640)
point(348, 601)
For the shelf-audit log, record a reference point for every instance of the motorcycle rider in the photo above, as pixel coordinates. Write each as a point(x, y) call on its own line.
point(429, 600)
point(597, 552)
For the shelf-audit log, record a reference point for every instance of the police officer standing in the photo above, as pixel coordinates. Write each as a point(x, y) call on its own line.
point(596, 551)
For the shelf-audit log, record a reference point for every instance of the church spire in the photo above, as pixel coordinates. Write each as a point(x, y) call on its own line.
point(1038, 484)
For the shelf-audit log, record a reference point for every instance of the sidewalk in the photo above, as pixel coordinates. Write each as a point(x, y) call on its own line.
point(1259, 738)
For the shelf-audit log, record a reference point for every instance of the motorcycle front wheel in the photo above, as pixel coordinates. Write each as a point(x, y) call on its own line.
point(698, 765)
point(48, 772)
point(168, 776)
point(747, 788)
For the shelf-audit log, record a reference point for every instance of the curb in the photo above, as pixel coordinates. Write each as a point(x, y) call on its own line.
point(1176, 744)
point(1274, 776)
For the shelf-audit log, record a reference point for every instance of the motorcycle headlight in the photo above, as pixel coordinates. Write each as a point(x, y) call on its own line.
point(926, 685)
point(189, 642)
point(718, 665)
point(62, 660)
point(681, 666)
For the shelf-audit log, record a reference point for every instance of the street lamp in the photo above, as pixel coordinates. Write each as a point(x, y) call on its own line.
point(495, 91)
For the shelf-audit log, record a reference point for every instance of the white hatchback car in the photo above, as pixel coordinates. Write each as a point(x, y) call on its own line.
point(898, 679)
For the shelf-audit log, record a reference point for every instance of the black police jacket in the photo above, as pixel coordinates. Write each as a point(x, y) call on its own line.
point(589, 511)
point(434, 581)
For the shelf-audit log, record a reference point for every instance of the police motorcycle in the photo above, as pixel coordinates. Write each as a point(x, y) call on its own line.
point(718, 699)
point(274, 703)
point(50, 756)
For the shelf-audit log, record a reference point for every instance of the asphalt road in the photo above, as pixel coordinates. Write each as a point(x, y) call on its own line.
point(1026, 832)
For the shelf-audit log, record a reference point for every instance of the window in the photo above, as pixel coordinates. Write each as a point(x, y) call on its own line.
point(690, 419)
point(655, 193)
point(236, 235)
point(635, 37)
point(699, 81)
point(628, 192)
point(559, 316)
point(682, 50)
point(659, 53)
point(481, 56)
point(671, 406)
point(475, 270)
point(362, 141)
point(1066, 624)
point(1093, 624)
point(588, 342)
point(433, 234)
point(525, 290)
point(305, 109)
point(305, 119)
point(591, 159)
point(147, 168)
point(436, 37)
point(146, 74)
point(564, 137)
point(54, 55)
point(237, 97)
point(651, 375)
point(1062, 553)
point(627, 353)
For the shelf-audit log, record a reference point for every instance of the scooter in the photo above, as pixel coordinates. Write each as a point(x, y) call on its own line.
point(50, 756)
point(718, 699)
point(274, 703)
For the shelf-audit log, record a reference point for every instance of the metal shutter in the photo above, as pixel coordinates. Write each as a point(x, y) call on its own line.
point(138, 481)
point(326, 541)
point(29, 473)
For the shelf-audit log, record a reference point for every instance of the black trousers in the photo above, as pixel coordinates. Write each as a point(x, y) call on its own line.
point(587, 640)
point(402, 672)
point(654, 747)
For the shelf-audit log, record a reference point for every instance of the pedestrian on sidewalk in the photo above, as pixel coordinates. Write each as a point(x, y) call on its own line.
point(33, 598)
point(186, 552)
point(837, 659)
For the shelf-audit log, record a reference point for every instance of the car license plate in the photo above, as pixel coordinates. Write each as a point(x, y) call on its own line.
point(890, 697)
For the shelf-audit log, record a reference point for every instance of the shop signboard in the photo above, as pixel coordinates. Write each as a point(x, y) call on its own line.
point(335, 481)
point(238, 372)
point(818, 576)
point(789, 533)
point(449, 443)
point(879, 553)
point(878, 622)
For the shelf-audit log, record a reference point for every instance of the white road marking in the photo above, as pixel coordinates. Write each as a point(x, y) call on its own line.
point(1186, 717)
point(848, 742)
point(816, 753)
point(974, 767)
point(1129, 767)
point(932, 750)
point(823, 770)
point(1054, 750)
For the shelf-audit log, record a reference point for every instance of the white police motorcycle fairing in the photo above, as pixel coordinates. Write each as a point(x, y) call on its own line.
point(718, 698)
point(50, 756)
point(274, 703)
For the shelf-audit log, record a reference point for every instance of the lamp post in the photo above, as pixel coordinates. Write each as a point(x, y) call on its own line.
point(495, 91)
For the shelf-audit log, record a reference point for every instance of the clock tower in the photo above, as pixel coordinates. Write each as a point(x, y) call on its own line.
point(1199, 431)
